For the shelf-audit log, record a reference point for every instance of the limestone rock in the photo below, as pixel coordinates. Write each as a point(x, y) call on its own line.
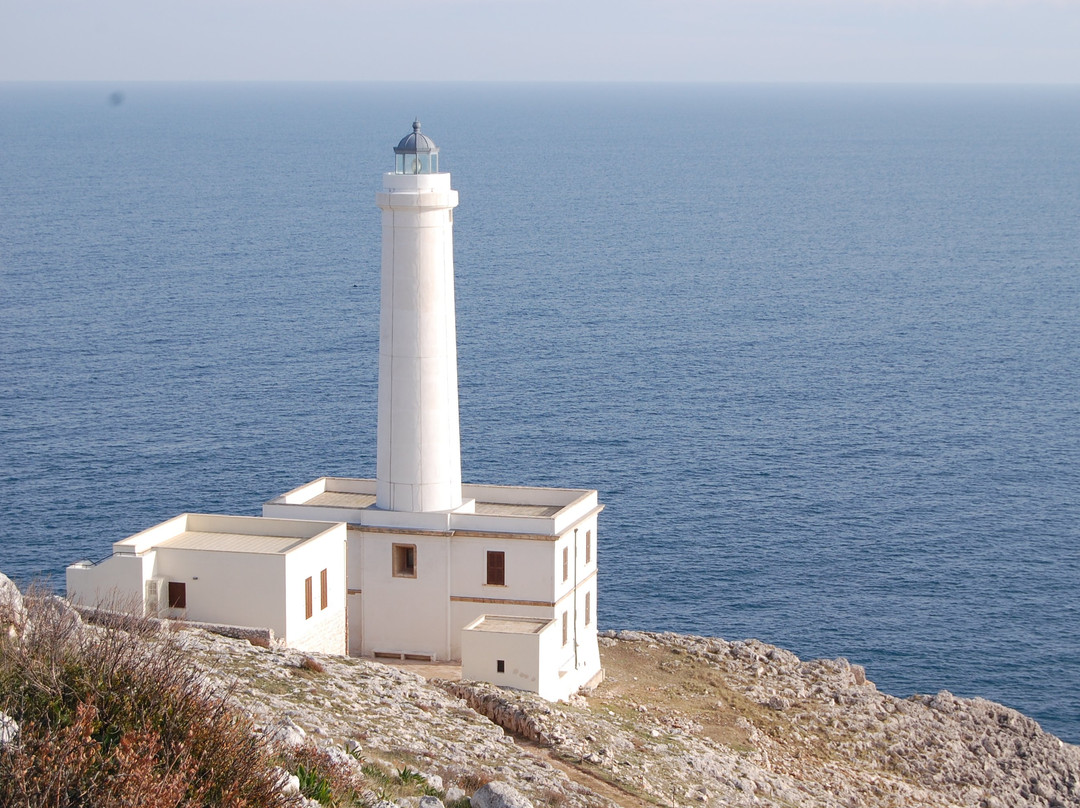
point(832, 740)
point(290, 782)
point(287, 733)
point(12, 610)
point(499, 795)
point(9, 730)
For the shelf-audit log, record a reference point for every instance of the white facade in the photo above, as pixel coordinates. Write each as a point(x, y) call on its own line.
point(547, 541)
point(512, 652)
point(285, 575)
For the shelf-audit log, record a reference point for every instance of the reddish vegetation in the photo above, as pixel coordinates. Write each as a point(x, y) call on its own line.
point(116, 716)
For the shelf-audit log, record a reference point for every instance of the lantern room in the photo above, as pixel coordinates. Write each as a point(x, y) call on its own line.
point(416, 154)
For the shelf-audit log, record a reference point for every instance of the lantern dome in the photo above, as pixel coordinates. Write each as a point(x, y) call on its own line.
point(416, 153)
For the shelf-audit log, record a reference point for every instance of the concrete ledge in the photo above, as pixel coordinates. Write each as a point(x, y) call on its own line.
point(259, 636)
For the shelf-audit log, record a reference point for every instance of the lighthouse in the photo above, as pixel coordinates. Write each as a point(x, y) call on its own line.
point(412, 564)
point(418, 459)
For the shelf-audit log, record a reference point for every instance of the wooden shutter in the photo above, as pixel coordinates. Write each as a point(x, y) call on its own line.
point(177, 595)
point(324, 595)
point(307, 599)
point(565, 563)
point(496, 568)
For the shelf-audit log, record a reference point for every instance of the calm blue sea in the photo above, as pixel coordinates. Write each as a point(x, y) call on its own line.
point(817, 347)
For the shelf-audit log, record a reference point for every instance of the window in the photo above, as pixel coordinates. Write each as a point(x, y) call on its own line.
point(177, 595)
point(588, 608)
point(588, 546)
point(564, 634)
point(404, 560)
point(496, 568)
point(308, 611)
point(324, 595)
point(500, 666)
point(565, 563)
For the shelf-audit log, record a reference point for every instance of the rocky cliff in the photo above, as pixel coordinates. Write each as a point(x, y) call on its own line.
point(679, 720)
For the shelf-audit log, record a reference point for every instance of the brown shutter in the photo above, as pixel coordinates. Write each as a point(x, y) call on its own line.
point(565, 563)
point(307, 598)
point(177, 595)
point(496, 568)
point(324, 595)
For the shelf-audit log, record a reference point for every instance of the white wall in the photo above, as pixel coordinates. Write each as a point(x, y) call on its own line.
point(529, 572)
point(260, 590)
point(531, 661)
point(240, 589)
point(115, 583)
point(481, 650)
point(406, 615)
point(355, 607)
point(464, 613)
point(325, 630)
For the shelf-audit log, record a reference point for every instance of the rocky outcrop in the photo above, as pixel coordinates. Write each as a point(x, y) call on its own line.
point(391, 718)
point(683, 719)
point(499, 795)
point(12, 610)
point(744, 723)
point(503, 709)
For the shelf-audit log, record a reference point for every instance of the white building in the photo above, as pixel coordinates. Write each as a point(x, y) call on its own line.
point(419, 582)
point(285, 575)
point(501, 578)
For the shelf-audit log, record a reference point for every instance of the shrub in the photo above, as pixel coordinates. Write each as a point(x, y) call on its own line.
point(116, 715)
point(323, 778)
point(313, 665)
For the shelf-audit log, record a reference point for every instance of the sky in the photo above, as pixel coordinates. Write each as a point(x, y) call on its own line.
point(980, 41)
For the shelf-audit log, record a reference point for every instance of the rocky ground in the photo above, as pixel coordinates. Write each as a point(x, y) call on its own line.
point(679, 720)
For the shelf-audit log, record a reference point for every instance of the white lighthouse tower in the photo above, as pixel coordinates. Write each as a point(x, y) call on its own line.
point(418, 464)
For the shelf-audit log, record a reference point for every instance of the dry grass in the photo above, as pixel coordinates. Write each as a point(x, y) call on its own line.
point(312, 665)
point(671, 683)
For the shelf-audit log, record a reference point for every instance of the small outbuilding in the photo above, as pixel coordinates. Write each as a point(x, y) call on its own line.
point(517, 652)
point(285, 575)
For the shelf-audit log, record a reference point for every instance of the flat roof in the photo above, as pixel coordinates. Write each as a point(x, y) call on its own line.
point(344, 499)
point(231, 542)
point(511, 625)
point(511, 509)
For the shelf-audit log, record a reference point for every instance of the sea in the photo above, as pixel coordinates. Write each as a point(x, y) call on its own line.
point(817, 346)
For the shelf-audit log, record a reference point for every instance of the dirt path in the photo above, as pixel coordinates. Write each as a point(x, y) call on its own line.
point(579, 774)
point(582, 776)
point(429, 670)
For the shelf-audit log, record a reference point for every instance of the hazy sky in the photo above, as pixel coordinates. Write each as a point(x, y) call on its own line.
point(553, 40)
